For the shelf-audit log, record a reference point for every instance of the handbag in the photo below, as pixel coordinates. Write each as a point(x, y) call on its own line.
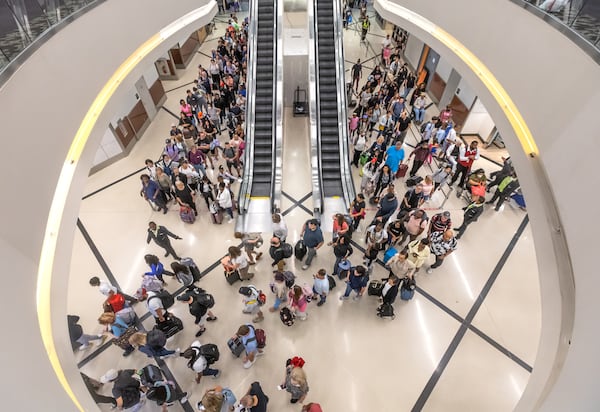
point(123, 340)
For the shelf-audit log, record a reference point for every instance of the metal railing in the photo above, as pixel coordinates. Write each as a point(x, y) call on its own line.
point(313, 90)
point(246, 185)
point(26, 25)
point(579, 20)
point(345, 170)
point(278, 130)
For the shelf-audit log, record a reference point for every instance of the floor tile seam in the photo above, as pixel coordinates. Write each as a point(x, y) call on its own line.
point(297, 203)
point(437, 373)
point(95, 192)
point(178, 87)
point(510, 354)
point(170, 112)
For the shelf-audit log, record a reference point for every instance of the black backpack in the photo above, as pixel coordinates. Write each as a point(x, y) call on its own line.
point(300, 250)
point(150, 374)
point(287, 249)
point(210, 351)
point(206, 299)
point(165, 297)
point(286, 316)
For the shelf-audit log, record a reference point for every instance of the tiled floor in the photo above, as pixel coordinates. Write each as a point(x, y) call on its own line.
point(446, 350)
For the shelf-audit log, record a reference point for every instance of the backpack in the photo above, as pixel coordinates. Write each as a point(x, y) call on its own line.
point(407, 290)
point(289, 278)
point(262, 298)
point(424, 127)
point(455, 151)
point(151, 283)
point(186, 278)
point(150, 374)
point(259, 336)
point(115, 303)
point(130, 389)
point(165, 297)
point(288, 250)
point(331, 282)
point(156, 338)
point(191, 265)
point(205, 299)
point(210, 352)
point(286, 316)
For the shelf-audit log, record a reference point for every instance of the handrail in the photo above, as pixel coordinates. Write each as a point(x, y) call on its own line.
point(589, 45)
point(246, 185)
point(277, 171)
point(34, 44)
point(345, 170)
point(313, 95)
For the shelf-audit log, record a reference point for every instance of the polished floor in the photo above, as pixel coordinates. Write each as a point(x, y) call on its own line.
point(467, 341)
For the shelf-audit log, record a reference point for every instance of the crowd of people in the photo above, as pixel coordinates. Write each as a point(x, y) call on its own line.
point(210, 136)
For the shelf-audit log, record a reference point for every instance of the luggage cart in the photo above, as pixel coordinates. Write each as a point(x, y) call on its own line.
point(300, 102)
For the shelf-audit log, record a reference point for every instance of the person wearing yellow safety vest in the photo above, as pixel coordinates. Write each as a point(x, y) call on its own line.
point(366, 25)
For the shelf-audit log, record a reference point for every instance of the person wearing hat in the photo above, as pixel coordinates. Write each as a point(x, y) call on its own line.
point(356, 280)
point(126, 389)
point(174, 132)
point(440, 223)
point(313, 239)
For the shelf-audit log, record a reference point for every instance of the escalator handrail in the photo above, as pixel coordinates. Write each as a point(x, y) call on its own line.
point(277, 165)
point(246, 185)
point(314, 102)
point(345, 170)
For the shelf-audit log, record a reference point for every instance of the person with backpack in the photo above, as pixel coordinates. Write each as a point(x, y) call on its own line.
point(247, 334)
point(152, 344)
point(120, 330)
point(321, 286)
point(199, 304)
point(387, 205)
point(156, 307)
point(313, 239)
point(298, 302)
point(126, 389)
point(251, 298)
point(280, 289)
point(200, 358)
point(356, 280)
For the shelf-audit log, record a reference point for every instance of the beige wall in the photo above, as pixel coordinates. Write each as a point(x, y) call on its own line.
point(58, 83)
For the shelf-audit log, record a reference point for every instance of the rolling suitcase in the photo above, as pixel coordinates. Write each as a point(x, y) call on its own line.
point(193, 268)
point(232, 276)
point(300, 250)
point(187, 214)
point(402, 170)
point(235, 346)
point(170, 326)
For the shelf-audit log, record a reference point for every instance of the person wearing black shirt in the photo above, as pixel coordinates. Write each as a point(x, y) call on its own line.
point(357, 210)
point(356, 74)
point(412, 198)
point(255, 400)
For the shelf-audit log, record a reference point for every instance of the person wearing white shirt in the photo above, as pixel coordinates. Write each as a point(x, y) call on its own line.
point(419, 109)
point(280, 229)
point(199, 363)
point(224, 200)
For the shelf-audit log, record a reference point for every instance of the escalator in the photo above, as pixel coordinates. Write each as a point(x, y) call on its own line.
point(335, 188)
point(260, 191)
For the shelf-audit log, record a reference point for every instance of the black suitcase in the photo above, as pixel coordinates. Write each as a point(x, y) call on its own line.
point(375, 288)
point(232, 277)
point(170, 326)
point(331, 282)
point(236, 346)
point(300, 250)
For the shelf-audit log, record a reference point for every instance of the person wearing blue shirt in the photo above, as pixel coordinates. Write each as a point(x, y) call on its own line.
point(152, 193)
point(356, 281)
point(248, 336)
point(394, 156)
point(313, 239)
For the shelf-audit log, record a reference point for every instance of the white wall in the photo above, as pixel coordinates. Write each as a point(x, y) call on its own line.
point(124, 106)
point(109, 147)
point(151, 75)
point(414, 48)
point(565, 373)
point(479, 121)
point(443, 69)
point(70, 85)
point(466, 93)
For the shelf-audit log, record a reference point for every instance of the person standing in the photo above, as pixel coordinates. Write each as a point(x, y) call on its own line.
point(421, 153)
point(80, 340)
point(321, 286)
point(313, 239)
point(440, 223)
point(394, 156)
point(472, 213)
point(400, 266)
point(419, 252)
point(442, 244)
point(280, 290)
point(225, 201)
point(152, 193)
point(280, 229)
point(366, 26)
point(414, 225)
point(419, 108)
point(356, 281)
point(239, 262)
point(466, 157)
point(357, 211)
point(387, 205)
point(508, 185)
point(342, 250)
point(160, 235)
point(356, 74)
point(255, 399)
